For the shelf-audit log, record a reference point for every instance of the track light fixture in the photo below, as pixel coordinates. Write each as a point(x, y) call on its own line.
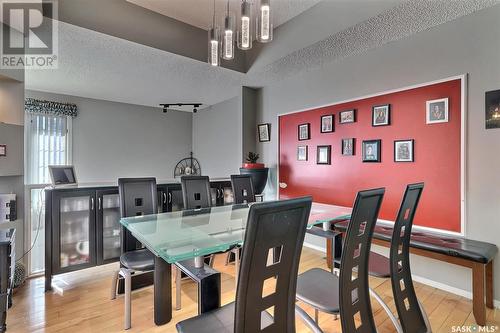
point(194, 105)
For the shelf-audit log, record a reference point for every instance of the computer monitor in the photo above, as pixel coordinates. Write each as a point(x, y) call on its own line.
point(62, 174)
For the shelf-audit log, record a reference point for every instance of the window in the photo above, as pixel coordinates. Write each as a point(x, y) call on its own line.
point(48, 143)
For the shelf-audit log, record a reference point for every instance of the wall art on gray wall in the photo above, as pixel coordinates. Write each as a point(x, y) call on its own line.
point(492, 109)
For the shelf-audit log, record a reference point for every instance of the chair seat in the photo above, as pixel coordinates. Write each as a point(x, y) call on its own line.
point(139, 260)
point(220, 321)
point(320, 289)
point(379, 265)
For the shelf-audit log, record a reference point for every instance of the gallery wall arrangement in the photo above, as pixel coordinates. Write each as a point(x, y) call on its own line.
point(388, 140)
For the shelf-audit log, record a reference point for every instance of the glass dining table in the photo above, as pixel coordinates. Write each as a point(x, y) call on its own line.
point(177, 237)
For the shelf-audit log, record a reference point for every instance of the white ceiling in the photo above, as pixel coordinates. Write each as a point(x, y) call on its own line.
point(95, 65)
point(199, 12)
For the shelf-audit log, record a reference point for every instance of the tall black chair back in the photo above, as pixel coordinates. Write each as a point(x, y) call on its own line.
point(355, 307)
point(274, 224)
point(138, 197)
point(409, 311)
point(242, 189)
point(196, 192)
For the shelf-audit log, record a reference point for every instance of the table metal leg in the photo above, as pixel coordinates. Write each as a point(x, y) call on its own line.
point(162, 292)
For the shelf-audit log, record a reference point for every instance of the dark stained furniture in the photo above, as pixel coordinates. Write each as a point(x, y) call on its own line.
point(347, 294)
point(286, 221)
point(93, 212)
point(196, 192)
point(7, 264)
point(476, 255)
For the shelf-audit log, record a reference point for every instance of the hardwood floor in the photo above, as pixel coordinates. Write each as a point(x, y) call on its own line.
point(82, 304)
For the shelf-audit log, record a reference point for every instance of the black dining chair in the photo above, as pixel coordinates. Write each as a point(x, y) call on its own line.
point(243, 193)
point(243, 190)
point(196, 195)
point(411, 314)
point(196, 192)
point(259, 308)
point(137, 197)
point(347, 294)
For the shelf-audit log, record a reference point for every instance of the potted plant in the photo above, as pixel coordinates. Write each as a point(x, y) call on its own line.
point(257, 171)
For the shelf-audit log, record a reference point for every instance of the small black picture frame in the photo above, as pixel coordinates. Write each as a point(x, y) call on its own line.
point(302, 153)
point(492, 112)
point(324, 154)
point(3, 150)
point(304, 132)
point(371, 151)
point(381, 115)
point(349, 147)
point(347, 116)
point(404, 150)
point(327, 124)
point(264, 132)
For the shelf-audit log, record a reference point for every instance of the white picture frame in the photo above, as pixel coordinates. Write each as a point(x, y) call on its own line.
point(437, 111)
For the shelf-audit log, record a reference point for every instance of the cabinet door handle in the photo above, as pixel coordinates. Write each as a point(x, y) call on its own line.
point(164, 198)
point(92, 203)
point(169, 198)
point(99, 203)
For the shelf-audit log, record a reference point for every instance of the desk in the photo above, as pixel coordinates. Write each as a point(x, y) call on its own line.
point(192, 234)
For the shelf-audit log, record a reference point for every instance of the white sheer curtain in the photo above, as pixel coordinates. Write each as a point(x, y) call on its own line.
point(48, 143)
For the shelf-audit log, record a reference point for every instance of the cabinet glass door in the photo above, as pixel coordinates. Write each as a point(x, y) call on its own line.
point(109, 205)
point(176, 202)
point(76, 218)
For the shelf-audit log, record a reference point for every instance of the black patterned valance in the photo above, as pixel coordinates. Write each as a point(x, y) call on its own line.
point(32, 105)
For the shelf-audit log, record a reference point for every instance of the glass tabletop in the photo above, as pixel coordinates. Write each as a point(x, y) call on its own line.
point(188, 234)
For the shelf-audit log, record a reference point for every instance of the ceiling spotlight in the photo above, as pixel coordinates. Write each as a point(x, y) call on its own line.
point(195, 110)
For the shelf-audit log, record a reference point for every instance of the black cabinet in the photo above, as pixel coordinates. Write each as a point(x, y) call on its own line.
point(170, 198)
point(222, 193)
point(7, 264)
point(82, 229)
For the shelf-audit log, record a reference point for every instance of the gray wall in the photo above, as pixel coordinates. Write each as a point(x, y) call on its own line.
point(112, 140)
point(468, 45)
point(217, 138)
point(250, 138)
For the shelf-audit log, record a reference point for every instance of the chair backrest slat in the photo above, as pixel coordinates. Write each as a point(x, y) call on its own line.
point(196, 192)
point(355, 307)
point(138, 197)
point(270, 225)
point(409, 312)
point(243, 190)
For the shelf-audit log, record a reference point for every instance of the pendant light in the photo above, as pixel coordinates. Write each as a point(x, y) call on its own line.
point(213, 43)
point(264, 22)
point(245, 26)
point(228, 36)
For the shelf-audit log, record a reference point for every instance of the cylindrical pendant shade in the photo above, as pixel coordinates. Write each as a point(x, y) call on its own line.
point(264, 21)
point(245, 26)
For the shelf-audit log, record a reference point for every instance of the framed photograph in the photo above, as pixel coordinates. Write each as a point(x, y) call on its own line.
point(264, 132)
point(348, 146)
point(302, 153)
point(492, 109)
point(381, 115)
point(304, 132)
point(347, 116)
point(371, 151)
point(437, 111)
point(327, 124)
point(403, 151)
point(3, 150)
point(324, 155)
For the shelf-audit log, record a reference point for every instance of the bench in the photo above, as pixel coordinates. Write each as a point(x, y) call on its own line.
point(476, 255)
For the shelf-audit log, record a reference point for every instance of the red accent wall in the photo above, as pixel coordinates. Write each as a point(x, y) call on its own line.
point(437, 154)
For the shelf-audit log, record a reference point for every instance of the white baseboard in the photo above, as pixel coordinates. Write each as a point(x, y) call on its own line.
point(428, 282)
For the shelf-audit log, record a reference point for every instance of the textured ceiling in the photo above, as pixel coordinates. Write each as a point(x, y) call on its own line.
point(99, 66)
point(199, 12)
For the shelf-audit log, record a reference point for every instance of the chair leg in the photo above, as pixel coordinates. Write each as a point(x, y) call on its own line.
point(211, 261)
point(177, 288)
point(128, 299)
point(393, 318)
point(307, 320)
point(236, 266)
point(316, 316)
point(114, 281)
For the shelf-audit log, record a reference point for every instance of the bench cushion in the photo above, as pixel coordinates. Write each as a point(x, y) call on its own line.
point(464, 248)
